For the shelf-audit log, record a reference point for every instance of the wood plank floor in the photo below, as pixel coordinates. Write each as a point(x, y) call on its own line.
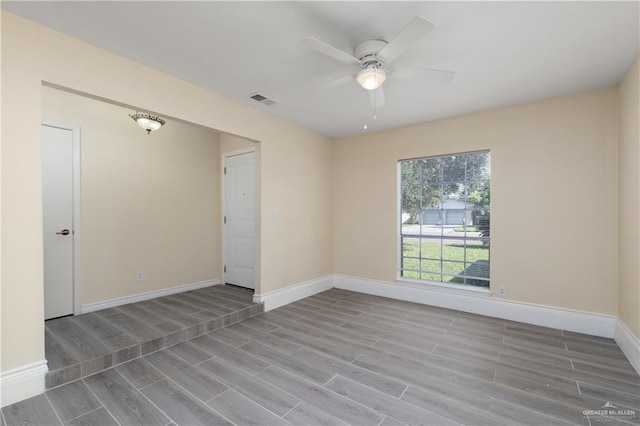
point(341, 358)
point(82, 345)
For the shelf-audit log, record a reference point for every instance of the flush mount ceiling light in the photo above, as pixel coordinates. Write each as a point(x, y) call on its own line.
point(147, 121)
point(371, 77)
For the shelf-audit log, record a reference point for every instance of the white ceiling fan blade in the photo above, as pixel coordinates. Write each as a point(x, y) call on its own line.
point(376, 97)
point(330, 51)
point(336, 82)
point(422, 73)
point(417, 28)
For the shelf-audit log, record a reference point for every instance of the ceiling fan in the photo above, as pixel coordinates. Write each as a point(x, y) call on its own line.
point(374, 57)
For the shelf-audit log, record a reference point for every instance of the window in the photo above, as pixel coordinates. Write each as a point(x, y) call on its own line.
point(445, 218)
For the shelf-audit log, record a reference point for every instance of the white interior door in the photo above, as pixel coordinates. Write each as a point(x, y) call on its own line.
point(239, 221)
point(57, 174)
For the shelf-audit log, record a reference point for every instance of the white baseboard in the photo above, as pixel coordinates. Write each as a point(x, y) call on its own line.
point(546, 316)
point(629, 344)
point(29, 380)
point(22, 382)
point(90, 307)
point(275, 299)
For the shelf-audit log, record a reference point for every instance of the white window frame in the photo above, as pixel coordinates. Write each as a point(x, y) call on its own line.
point(399, 248)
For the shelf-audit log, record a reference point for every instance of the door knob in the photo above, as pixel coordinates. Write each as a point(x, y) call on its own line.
point(63, 232)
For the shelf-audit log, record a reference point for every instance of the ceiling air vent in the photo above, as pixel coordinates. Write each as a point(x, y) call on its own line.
point(262, 99)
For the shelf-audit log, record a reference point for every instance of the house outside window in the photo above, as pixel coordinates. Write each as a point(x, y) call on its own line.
point(445, 218)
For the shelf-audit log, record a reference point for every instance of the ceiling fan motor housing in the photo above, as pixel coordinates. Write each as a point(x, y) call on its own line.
point(367, 52)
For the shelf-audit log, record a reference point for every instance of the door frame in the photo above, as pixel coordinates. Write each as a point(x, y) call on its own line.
point(75, 217)
point(223, 195)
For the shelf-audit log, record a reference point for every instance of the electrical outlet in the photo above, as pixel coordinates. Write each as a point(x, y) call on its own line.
point(315, 273)
point(502, 291)
point(139, 276)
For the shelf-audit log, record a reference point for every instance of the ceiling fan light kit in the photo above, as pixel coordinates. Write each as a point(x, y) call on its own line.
point(147, 121)
point(371, 77)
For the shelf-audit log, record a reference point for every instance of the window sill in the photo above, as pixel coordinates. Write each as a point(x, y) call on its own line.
point(454, 288)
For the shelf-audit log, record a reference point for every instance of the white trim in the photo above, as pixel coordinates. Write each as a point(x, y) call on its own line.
point(398, 215)
point(22, 382)
point(446, 286)
point(223, 202)
point(90, 307)
point(628, 343)
point(76, 220)
point(546, 316)
point(239, 152)
point(275, 299)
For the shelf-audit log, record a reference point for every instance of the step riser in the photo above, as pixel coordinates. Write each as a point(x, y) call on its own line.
point(89, 367)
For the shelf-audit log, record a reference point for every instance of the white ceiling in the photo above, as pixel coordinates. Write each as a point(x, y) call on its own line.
point(502, 52)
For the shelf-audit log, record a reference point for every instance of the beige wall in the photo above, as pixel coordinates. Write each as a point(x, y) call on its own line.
point(230, 143)
point(295, 165)
point(22, 341)
point(149, 203)
point(554, 197)
point(629, 193)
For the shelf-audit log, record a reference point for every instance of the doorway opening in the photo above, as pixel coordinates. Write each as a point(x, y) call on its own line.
point(152, 204)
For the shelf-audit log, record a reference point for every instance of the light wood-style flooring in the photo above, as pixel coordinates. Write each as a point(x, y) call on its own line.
point(341, 358)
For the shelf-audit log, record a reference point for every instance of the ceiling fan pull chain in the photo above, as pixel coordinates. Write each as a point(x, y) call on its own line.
point(375, 105)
